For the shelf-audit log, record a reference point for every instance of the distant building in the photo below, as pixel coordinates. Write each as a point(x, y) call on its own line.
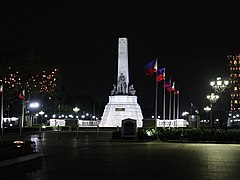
point(234, 67)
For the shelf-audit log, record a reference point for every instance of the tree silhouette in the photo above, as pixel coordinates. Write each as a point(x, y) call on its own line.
point(26, 70)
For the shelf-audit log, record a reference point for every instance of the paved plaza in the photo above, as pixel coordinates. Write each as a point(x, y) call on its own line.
point(96, 156)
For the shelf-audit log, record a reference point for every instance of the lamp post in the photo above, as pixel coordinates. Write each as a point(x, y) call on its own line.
point(33, 105)
point(207, 109)
point(219, 86)
point(40, 128)
point(76, 110)
point(212, 99)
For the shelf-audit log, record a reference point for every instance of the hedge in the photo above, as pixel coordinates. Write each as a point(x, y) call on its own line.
point(192, 134)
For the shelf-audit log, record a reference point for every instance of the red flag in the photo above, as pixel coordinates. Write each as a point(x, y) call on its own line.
point(22, 95)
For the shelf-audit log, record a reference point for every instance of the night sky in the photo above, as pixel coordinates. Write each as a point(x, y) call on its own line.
point(191, 40)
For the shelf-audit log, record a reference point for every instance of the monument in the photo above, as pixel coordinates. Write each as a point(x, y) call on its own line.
point(122, 101)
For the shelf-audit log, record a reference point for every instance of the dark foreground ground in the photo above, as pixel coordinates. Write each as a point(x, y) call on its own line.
point(90, 157)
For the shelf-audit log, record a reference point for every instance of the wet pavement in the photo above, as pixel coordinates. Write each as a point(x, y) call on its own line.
point(95, 156)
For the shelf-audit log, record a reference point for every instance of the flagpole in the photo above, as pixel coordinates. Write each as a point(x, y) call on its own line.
point(23, 109)
point(170, 104)
point(174, 117)
point(156, 97)
point(174, 105)
point(178, 104)
point(164, 102)
point(174, 101)
point(191, 108)
point(2, 112)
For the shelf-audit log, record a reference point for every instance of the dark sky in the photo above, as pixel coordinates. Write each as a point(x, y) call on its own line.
point(191, 40)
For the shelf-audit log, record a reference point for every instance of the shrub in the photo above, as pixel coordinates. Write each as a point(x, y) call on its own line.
point(192, 134)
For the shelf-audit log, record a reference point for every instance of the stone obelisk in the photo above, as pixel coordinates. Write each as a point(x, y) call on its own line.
point(123, 58)
point(122, 102)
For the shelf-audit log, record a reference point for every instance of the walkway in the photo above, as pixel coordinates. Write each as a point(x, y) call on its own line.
point(89, 158)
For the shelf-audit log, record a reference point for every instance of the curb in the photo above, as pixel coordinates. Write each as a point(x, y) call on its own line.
point(20, 159)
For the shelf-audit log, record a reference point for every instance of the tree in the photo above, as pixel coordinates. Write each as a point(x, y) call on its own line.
point(25, 69)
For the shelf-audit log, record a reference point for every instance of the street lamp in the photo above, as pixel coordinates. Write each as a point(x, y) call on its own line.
point(212, 99)
point(40, 128)
point(33, 105)
point(76, 110)
point(207, 109)
point(41, 113)
point(219, 85)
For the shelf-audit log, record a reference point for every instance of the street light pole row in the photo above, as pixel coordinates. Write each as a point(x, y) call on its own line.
point(219, 87)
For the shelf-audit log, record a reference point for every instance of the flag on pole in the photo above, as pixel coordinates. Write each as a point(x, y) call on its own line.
point(150, 68)
point(22, 94)
point(1, 88)
point(1, 118)
point(173, 86)
point(168, 85)
point(176, 92)
point(160, 75)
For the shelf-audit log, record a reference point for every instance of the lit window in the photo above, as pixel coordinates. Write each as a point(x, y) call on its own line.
point(235, 88)
point(236, 102)
point(235, 62)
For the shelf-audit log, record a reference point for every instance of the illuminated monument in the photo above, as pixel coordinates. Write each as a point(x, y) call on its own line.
point(122, 102)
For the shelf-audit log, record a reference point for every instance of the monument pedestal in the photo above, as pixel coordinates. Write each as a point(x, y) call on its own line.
point(121, 107)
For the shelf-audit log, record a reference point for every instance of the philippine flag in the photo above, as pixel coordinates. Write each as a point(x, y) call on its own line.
point(151, 68)
point(160, 75)
point(168, 85)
